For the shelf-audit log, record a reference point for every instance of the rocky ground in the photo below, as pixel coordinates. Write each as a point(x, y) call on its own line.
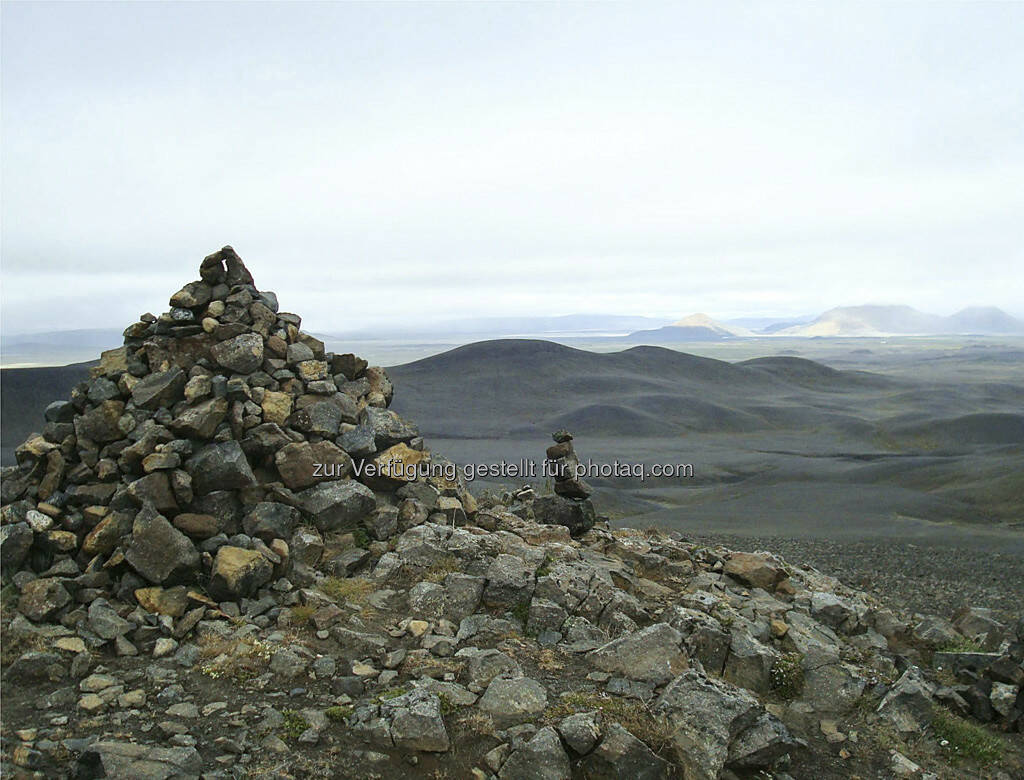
point(914, 577)
point(188, 592)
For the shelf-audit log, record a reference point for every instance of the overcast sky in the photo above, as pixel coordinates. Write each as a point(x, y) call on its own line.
point(400, 163)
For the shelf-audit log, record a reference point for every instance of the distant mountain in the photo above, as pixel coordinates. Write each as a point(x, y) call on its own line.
point(696, 327)
point(878, 320)
point(768, 324)
point(568, 324)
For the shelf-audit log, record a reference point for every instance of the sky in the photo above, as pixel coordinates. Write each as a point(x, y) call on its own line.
point(397, 164)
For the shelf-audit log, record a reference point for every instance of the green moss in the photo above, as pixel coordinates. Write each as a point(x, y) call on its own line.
point(393, 693)
point(631, 714)
point(521, 612)
point(294, 724)
point(361, 538)
point(961, 739)
point(338, 714)
point(960, 645)
point(787, 676)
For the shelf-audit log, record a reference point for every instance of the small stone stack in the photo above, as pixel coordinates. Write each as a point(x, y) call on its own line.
point(571, 505)
point(215, 449)
point(563, 463)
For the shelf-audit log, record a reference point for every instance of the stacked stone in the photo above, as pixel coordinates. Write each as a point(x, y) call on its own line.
point(571, 505)
point(216, 448)
point(564, 464)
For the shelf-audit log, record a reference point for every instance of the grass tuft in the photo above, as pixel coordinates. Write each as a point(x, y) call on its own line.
point(962, 739)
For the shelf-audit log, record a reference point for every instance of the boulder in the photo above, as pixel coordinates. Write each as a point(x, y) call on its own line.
point(302, 464)
point(908, 705)
point(220, 466)
point(515, 700)
point(416, 722)
point(159, 552)
point(270, 520)
point(651, 654)
point(755, 570)
point(238, 572)
point(509, 582)
point(542, 758)
point(42, 599)
point(338, 505)
point(162, 388)
point(200, 421)
point(242, 354)
point(621, 756)
point(101, 423)
point(578, 516)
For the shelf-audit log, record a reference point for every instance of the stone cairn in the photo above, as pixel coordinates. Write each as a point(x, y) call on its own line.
point(564, 463)
point(211, 452)
point(571, 505)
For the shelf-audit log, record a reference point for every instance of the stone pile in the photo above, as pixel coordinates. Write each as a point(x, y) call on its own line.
point(570, 505)
point(205, 453)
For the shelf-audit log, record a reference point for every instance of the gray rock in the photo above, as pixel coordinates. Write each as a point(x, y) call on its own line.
point(621, 756)
point(340, 505)
point(749, 663)
point(42, 599)
point(462, 594)
point(200, 421)
point(163, 388)
point(15, 541)
point(159, 552)
point(542, 758)
point(101, 423)
point(488, 664)
point(388, 428)
point(652, 654)
point(415, 721)
point(426, 600)
point(220, 466)
point(242, 354)
point(358, 442)
point(140, 762)
point(509, 582)
point(704, 716)
point(270, 520)
point(581, 731)
point(321, 418)
point(105, 622)
point(908, 705)
point(514, 700)
point(578, 516)
point(761, 744)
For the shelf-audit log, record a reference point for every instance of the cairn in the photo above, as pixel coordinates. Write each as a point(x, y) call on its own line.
point(564, 466)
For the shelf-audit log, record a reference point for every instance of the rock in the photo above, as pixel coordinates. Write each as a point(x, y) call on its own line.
point(542, 758)
point(238, 572)
point(192, 295)
point(155, 490)
point(1003, 698)
point(578, 516)
point(320, 419)
point(516, 700)
point(159, 552)
point(754, 570)
point(42, 599)
point(488, 664)
point(761, 744)
point(242, 354)
point(162, 388)
point(102, 423)
point(388, 428)
point(509, 582)
point(200, 421)
point(220, 466)
point(140, 762)
point(163, 601)
point(581, 731)
point(270, 520)
point(277, 407)
point(338, 505)
point(15, 541)
point(302, 464)
point(908, 704)
point(198, 526)
point(704, 715)
point(749, 663)
point(105, 622)
point(415, 721)
point(621, 756)
point(652, 654)
point(394, 467)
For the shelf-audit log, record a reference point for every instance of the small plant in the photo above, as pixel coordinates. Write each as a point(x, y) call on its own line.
point(235, 659)
point(787, 676)
point(361, 538)
point(392, 693)
point(631, 714)
point(961, 644)
point(962, 739)
point(338, 714)
point(294, 724)
point(353, 590)
point(438, 571)
point(521, 612)
point(301, 614)
point(545, 568)
point(448, 707)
